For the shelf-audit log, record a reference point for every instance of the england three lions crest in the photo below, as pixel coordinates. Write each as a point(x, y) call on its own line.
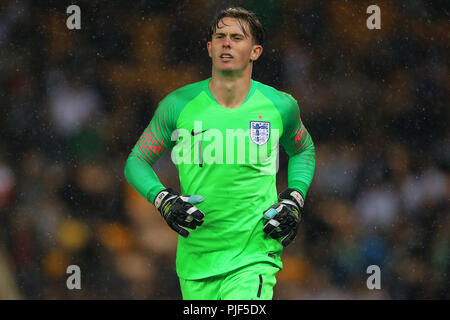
point(259, 132)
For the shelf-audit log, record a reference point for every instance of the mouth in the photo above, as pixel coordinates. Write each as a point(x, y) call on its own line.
point(226, 57)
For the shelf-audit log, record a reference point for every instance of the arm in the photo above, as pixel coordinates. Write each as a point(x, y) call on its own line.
point(178, 211)
point(299, 146)
point(301, 165)
point(284, 216)
point(142, 177)
point(155, 139)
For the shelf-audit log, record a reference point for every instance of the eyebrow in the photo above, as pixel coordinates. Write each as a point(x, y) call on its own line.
point(233, 34)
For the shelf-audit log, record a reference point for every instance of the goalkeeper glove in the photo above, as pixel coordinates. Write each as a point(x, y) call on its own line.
point(284, 216)
point(179, 211)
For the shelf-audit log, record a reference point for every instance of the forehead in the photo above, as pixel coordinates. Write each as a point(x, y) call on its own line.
point(232, 24)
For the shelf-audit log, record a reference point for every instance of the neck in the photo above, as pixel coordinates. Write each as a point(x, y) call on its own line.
point(230, 89)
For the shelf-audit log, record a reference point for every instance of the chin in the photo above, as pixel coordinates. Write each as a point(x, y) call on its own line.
point(225, 68)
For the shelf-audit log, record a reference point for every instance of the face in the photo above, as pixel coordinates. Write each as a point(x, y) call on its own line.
point(230, 49)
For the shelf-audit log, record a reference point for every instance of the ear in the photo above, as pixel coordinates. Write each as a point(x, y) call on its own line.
point(256, 52)
point(208, 46)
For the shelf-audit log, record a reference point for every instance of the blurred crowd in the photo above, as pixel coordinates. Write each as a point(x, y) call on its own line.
point(74, 103)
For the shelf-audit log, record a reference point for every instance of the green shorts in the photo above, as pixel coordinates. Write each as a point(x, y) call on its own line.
point(252, 282)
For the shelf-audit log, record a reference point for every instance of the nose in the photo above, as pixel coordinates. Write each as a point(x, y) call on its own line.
point(226, 42)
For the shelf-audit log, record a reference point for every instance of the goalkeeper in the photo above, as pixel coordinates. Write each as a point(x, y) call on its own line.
point(232, 223)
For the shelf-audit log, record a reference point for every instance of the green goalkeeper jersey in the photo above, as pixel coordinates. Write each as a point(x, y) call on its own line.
point(229, 156)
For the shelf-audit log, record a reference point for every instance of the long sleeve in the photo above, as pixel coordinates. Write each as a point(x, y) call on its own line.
point(155, 139)
point(301, 170)
point(143, 178)
point(299, 146)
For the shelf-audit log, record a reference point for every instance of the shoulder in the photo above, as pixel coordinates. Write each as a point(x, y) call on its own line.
point(183, 95)
point(282, 100)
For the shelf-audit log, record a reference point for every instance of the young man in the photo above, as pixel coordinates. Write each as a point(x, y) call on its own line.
point(224, 132)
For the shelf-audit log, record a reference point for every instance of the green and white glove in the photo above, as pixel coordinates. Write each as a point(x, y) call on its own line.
point(284, 216)
point(179, 211)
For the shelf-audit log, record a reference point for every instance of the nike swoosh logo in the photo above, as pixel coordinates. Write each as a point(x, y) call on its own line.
point(196, 133)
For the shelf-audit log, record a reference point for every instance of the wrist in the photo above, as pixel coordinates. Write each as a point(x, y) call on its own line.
point(292, 195)
point(163, 196)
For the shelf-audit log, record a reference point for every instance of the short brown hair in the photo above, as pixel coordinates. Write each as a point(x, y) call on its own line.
point(241, 14)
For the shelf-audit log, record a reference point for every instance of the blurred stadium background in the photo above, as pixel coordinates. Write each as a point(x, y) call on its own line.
point(74, 102)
